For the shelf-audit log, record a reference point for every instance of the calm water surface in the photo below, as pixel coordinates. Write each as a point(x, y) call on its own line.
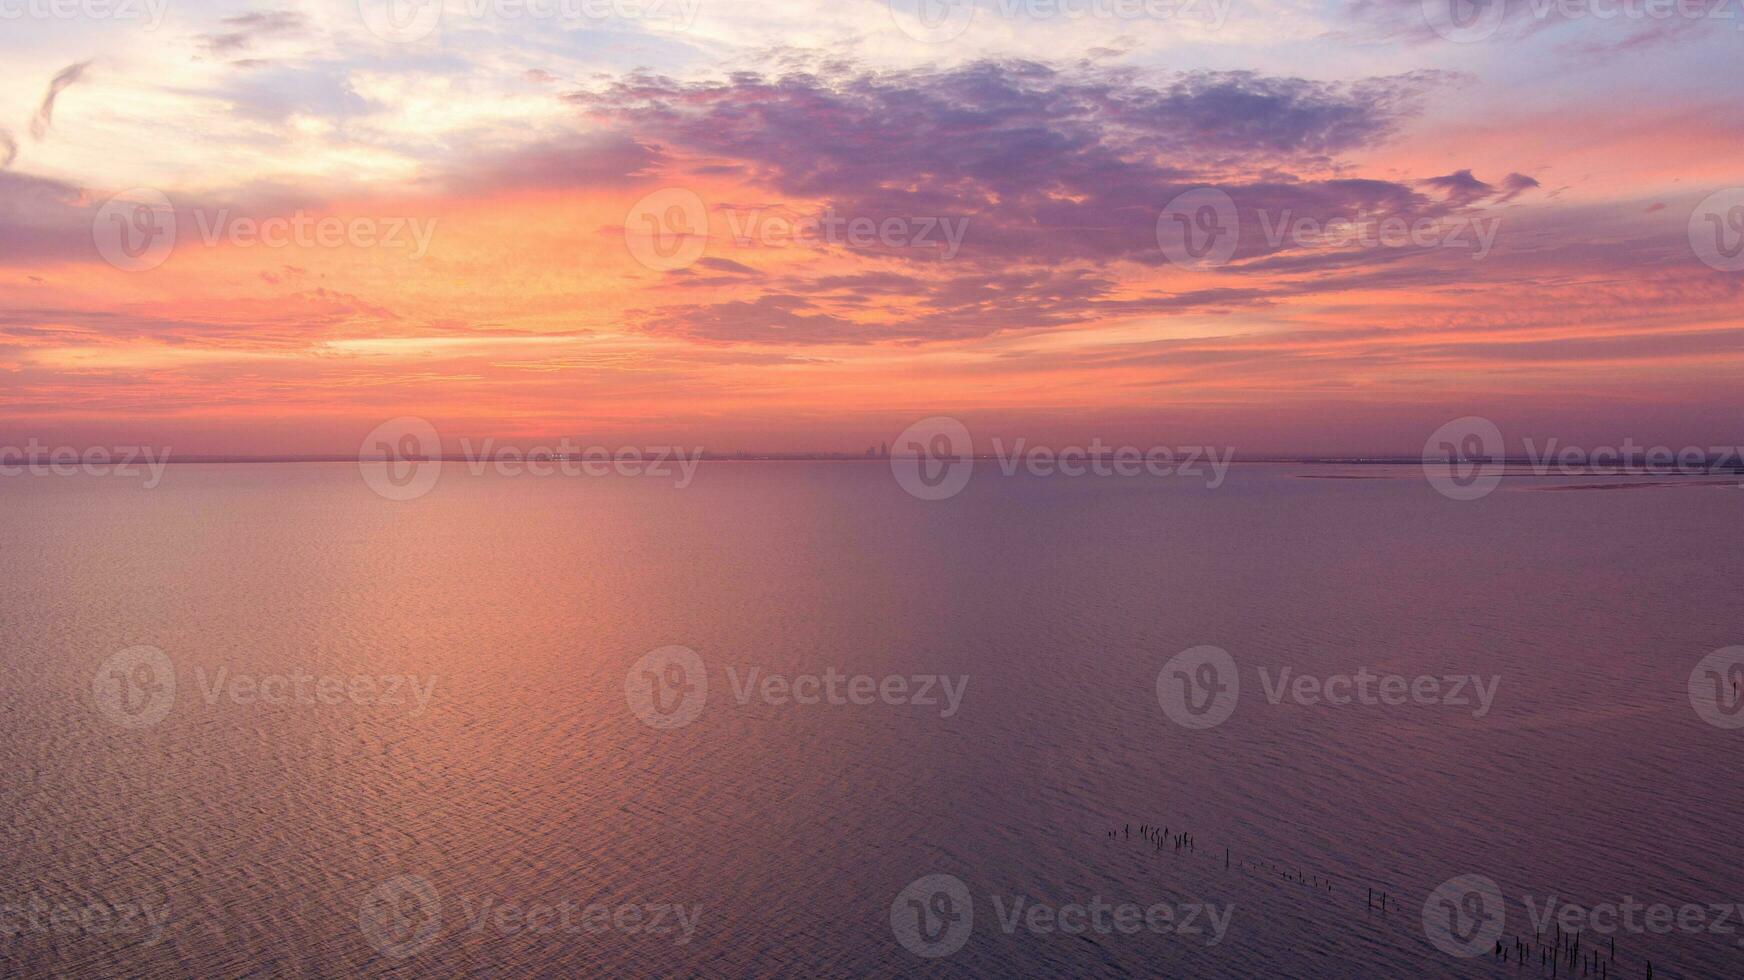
point(263, 833)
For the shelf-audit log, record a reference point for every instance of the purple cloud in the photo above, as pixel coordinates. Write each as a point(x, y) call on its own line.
point(1050, 163)
point(39, 126)
point(247, 28)
point(1050, 166)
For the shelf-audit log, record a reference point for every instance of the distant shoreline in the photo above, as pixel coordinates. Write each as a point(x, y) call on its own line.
point(1710, 468)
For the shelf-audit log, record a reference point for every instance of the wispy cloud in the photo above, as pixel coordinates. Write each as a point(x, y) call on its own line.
point(243, 30)
point(65, 78)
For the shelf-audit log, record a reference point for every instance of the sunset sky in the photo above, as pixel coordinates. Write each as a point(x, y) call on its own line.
point(525, 147)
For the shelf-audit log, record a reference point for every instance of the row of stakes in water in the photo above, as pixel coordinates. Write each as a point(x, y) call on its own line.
point(1563, 951)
